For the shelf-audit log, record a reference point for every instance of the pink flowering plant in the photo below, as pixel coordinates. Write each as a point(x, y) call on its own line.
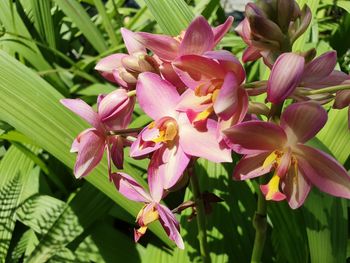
point(201, 106)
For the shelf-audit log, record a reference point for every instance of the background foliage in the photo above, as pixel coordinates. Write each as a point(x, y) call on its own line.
point(48, 49)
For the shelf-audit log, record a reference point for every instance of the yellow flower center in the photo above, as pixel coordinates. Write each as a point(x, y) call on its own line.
point(168, 130)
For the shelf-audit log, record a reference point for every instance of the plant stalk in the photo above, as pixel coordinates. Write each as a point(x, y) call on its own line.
point(331, 89)
point(200, 217)
point(260, 225)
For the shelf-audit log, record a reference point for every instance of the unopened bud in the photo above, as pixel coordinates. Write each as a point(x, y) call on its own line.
point(131, 63)
point(309, 55)
point(128, 77)
point(258, 108)
point(285, 10)
point(148, 63)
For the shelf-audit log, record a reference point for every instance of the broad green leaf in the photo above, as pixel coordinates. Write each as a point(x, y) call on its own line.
point(172, 16)
point(9, 197)
point(326, 216)
point(229, 226)
point(106, 244)
point(50, 125)
point(74, 10)
point(16, 30)
point(43, 21)
point(344, 4)
point(335, 134)
point(288, 228)
point(326, 223)
point(87, 206)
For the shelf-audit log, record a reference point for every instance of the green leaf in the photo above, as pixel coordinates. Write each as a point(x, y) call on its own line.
point(229, 226)
point(335, 134)
point(102, 243)
point(51, 126)
point(16, 30)
point(43, 21)
point(300, 42)
point(172, 16)
point(74, 10)
point(9, 196)
point(87, 206)
point(344, 4)
point(288, 228)
point(326, 222)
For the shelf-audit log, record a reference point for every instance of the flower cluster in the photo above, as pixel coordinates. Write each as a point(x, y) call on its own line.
point(201, 107)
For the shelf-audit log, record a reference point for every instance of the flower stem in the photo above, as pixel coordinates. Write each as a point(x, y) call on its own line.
point(201, 224)
point(125, 131)
point(260, 225)
point(331, 89)
point(131, 93)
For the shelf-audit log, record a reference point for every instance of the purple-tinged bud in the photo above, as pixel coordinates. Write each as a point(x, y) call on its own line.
point(300, 25)
point(113, 106)
point(309, 55)
point(264, 28)
point(285, 10)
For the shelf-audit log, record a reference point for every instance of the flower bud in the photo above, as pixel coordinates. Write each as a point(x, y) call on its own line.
point(114, 105)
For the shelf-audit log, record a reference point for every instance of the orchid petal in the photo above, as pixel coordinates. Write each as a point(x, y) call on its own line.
point(107, 65)
point(285, 76)
point(198, 38)
point(84, 110)
point(202, 143)
point(335, 78)
point(320, 67)
point(117, 152)
point(255, 137)
point(167, 166)
point(221, 30)
point(251, 166)
point(226, 102)
point(271, 189)
point(342, 99)
point(243, 29)
point(303, 120)
point(251, 54)
point(229, 62)
point(157, 97)
point(131, 43)
point(140, 148)
point(91, 148)
point(165, 47)
point(296, 188)
point(130, 188)
point(189, 100)
point(112, 103)
point(323, 171)
point(193, 68)
point(170, 225)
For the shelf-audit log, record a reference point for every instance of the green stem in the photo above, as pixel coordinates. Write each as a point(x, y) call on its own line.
point(201, 224)
point(331, 89)
point(260, 225)
point(125, 131)
point(259, 221)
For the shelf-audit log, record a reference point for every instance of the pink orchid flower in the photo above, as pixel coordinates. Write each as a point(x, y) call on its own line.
point(171, 135)
point(123, 68)
point(152, 210)
point(114, 113)
point(214, 80)
point(268, 146)
point(198, 38)
point(290, 73)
